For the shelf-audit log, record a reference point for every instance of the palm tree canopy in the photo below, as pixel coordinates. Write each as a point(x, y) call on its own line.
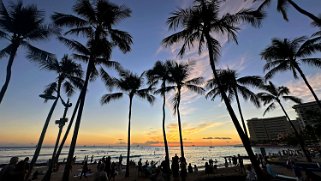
point(21, 25)
point(160, 73)
point(231, 82)
point(130, 84)
point(180, 74)
point(198, 21)
point(272, 94)
point(283, 55)
point(96, 22)
point(69, 75)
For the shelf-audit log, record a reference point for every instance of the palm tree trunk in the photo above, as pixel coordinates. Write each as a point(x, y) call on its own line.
point(165, 139)
point(240, 111)
point(308, 85)
point(67, 131)
point(61, 123)
point(41, 138)
point(306, 13)
point(179, 124)
point(82, 98)
point(245, 140)
point(297, 135)
point(128, 138)
point(8, 75)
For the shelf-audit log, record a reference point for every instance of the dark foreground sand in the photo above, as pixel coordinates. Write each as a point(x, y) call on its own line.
point(231, 171)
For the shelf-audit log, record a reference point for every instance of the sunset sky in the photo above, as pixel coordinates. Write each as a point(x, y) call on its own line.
point(205, 122)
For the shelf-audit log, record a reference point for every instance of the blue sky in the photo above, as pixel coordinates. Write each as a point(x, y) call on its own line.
point(23, 112)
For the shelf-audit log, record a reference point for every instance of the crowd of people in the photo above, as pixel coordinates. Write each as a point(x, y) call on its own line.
point(15, 170)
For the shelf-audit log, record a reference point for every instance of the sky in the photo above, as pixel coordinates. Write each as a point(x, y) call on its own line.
point(204, 122)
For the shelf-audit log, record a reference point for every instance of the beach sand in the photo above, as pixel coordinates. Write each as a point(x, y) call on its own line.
point(231, 171)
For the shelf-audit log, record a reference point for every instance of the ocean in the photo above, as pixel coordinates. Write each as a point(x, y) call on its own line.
point(194, 155)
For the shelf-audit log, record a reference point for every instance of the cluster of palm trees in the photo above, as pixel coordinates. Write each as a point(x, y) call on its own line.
point(193, 26)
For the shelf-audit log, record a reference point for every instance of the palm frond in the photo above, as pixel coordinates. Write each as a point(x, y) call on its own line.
point(107, 79)
point(269, 108)
point(312, 61)
point(110, 97)
point(195, 88)
point(292, 98)
point(68, 88)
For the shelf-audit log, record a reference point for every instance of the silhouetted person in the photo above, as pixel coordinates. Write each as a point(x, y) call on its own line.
point(8, 172)
point(195, 169)
point(175, 166)
point(101, 175)
point(121, 160)
point(207, 168)
point(140, 167)
point(190, 168)
point(234, 160)
point(183, 169)
point(84, 170)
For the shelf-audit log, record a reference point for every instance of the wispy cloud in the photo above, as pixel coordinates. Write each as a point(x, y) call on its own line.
point(298, 87)
point(217, 138)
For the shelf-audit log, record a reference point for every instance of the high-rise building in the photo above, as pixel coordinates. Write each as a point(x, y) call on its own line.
point(268, 129)
point(308, 113)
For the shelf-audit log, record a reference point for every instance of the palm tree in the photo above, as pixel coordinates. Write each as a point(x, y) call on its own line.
point(160, 73)
point(282, 7)
point(21, 25)
point(68, 77)
point(196, 25)
point(271, 95)
point(96, 22)
point(283, 55)
point(180, 74)
point(130, 84)
point(233, 85)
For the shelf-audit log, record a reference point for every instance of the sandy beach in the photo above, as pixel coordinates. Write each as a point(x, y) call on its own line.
point(231, 171)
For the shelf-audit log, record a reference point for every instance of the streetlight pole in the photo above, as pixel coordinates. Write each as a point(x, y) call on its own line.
point(60, 122)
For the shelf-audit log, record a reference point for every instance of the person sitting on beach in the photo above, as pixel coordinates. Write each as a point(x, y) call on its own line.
point(250, 174)
point(8, 172)
point(101, 175)
point(190, 168)
point(270, 170)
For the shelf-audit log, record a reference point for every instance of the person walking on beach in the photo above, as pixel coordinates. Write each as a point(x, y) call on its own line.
point(84, 170)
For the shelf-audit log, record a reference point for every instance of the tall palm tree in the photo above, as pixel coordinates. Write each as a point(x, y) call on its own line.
point(282, 6)
point(272, 95)
point(196, 24)
point(130, 84)
point(180, 74)
point(21, 25)
point(233, 85)
point(160, 73)
point(97, 23)
point(68, 77)
point(284, 55)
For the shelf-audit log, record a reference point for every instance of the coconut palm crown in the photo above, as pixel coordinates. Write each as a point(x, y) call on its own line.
point(22, 25)
point(233, 85)
point(288, 55)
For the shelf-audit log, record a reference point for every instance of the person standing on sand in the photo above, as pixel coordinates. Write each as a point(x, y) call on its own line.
point(121, 160)
point(101, 175)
